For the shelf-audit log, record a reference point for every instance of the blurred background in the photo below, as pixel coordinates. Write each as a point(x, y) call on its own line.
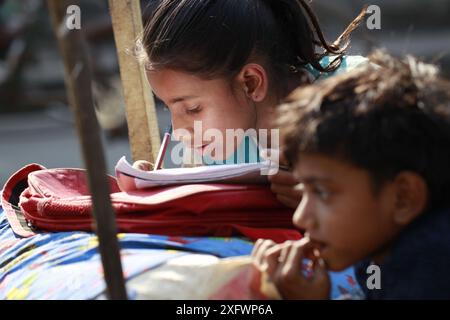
point(36, 124)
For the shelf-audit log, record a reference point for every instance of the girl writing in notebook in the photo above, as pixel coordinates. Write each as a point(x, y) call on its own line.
point(227, 64)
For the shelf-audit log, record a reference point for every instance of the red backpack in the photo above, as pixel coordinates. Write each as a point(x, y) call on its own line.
point(37, 199)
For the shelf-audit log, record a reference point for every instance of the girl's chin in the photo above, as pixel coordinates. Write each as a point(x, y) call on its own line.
point(201, 151)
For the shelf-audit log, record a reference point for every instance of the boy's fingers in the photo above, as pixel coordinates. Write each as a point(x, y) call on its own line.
point(294, 261)
point(271, 260)
point(321, 276)
point(289, 273)
point(295, 257)
point(259, 251)
point(289, 278)
point(256, 246)
point(320, 268)
point(284, 252)
point(262, 243)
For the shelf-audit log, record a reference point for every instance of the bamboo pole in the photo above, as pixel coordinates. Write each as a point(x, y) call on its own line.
point(78, 82)
point(140, 105)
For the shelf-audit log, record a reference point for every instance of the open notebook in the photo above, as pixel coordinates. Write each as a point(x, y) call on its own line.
point(130, 178)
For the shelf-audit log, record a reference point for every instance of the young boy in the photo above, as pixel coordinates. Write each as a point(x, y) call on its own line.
point(371, 149)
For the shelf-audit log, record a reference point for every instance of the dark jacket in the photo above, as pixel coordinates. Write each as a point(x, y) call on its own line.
point(418, 265)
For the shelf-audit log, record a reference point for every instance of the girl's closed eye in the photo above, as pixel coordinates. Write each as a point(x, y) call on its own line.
point(194, 110)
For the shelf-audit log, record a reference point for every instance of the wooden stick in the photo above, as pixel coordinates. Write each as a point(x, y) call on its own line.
point(140, 105)
point(78, 82)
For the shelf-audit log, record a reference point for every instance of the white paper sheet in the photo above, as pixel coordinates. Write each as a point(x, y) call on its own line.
point(234, 173)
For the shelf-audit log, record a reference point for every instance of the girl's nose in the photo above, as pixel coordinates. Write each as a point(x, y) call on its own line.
point(181, 131)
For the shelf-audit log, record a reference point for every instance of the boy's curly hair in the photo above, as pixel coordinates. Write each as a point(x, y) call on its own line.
point(389, 116)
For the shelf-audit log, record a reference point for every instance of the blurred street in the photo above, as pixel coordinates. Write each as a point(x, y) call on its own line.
point(41, 138)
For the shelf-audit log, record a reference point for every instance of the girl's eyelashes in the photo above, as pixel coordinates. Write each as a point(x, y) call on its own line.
point(189, 111)
point(194, 110)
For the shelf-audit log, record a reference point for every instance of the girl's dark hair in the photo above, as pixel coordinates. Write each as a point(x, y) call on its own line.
point(386, 117)
point(216, 38)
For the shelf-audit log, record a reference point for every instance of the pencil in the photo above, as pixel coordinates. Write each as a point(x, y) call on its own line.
point(162, 150)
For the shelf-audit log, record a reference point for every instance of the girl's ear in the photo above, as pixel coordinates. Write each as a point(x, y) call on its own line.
point(254, 81)
point(411, 197)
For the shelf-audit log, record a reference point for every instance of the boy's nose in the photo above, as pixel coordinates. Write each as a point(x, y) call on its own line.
point(303, 216)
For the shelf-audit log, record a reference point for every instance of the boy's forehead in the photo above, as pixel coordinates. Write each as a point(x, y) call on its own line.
point(321, 167)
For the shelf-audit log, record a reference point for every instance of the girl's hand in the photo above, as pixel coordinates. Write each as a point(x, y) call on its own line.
point(283, 182)
point(143, 165)
point(283, 265)
point(283, 185)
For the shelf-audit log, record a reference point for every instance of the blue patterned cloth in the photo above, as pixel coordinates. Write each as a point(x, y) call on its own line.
point(67, 265)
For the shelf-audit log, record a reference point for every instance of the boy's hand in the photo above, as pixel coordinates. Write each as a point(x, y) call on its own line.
point(283, 265)
point(143, 165)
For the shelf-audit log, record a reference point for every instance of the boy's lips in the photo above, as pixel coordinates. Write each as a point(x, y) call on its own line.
point(317, 244)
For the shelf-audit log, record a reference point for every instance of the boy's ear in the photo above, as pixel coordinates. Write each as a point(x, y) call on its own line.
point(411, 197)
point(254, 81)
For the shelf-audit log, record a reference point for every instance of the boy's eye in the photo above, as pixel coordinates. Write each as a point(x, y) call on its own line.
point(193, 110)
point(322, 193)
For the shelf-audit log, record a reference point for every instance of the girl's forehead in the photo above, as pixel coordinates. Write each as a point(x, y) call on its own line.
point(169, 84)
point(165, 76)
